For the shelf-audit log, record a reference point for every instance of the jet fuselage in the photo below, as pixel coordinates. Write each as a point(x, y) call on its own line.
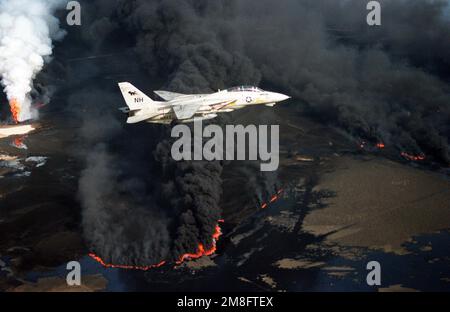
point(187, 107)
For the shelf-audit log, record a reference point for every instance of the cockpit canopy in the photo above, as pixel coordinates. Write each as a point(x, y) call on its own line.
point(244, 88)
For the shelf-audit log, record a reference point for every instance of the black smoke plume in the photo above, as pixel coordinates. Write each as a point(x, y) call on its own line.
point(387, 82)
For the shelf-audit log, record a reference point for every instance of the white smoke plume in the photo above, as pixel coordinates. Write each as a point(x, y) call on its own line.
point(27, 29)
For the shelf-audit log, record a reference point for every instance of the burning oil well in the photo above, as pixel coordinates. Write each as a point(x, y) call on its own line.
point(26, 34)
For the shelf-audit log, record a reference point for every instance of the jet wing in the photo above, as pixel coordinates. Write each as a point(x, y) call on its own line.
point(186, 111)
point(167, 95)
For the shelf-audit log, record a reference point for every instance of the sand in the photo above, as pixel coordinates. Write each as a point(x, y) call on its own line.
point(268, 280)
point(199, 264)
point(397, 288)
point(6, 131)
point(89, 283)
point(291, 264)
point(380, 204)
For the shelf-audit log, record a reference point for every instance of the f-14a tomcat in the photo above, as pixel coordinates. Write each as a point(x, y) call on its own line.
point(189, 107)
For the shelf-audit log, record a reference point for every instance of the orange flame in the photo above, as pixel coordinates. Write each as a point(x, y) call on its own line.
point(201, 251)
point(413, 157)
point(379, 145)
point(273, 199)
point(18, 142)
point(15, 109)
point(188, 256)
point(123, 266)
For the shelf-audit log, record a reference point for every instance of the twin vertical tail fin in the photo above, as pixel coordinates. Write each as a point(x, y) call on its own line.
point(134, 98)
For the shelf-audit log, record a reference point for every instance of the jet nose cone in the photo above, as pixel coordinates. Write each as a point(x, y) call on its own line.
point(281, 97)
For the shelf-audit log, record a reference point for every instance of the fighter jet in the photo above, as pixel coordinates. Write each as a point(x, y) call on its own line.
point(185, 108)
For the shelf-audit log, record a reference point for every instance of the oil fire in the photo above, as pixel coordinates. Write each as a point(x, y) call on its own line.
point(273, 199)
point(201, 251)
point(122, 266)
point(18, 142)
point(15, 109)
point(413, 157)
point(379, 145)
